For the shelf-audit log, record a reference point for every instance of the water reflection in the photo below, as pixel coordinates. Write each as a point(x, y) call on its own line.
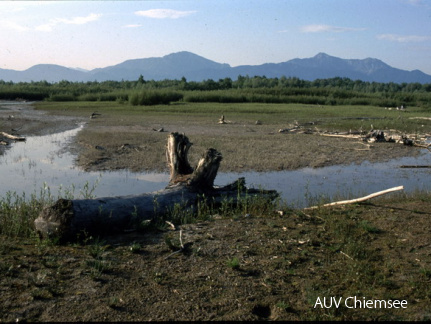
point(26, 166)
point(307, 186)
point(43, 159)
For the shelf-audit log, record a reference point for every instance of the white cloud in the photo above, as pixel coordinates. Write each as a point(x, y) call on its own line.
point(11, 25)
point(81, 20)
point(327, 28)
point(403, 38)
point(164, 13)
point(132, 26)
point(46, 27)
point(72, 21)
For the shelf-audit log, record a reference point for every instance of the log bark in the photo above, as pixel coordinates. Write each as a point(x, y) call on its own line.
point(67, 219)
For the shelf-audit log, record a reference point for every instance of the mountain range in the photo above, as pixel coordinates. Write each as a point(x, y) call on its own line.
point(197, 68)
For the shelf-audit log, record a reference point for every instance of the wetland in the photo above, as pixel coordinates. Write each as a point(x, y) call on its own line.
point(262, 262)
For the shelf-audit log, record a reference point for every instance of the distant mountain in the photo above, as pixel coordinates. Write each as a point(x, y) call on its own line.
point(40, 72)
point(172, 66)
point(197, 68)
point(323, 66)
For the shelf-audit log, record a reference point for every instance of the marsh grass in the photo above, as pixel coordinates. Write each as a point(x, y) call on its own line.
point(233, 263)
point(207, 209)
point(18, 212)
point(331, 118)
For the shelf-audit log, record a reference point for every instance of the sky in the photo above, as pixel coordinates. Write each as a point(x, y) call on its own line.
point(96, 34)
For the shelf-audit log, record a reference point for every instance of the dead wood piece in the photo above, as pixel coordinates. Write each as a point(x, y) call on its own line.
point(222, 120)
point(427, 146)
point(407, 141)
point(176, 155)
point(66, 219)
point(352, 201)
point(375, 136)
point(12, 137)
point(341, 135)
point(206, 171)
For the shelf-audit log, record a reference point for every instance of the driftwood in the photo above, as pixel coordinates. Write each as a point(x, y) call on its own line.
point(342, 135)
point(352, 201)
point(221, 120)
point(66, 219)
point(12, 137)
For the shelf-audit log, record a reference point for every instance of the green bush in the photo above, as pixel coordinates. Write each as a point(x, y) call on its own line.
point(62, 97)
point(154, 97)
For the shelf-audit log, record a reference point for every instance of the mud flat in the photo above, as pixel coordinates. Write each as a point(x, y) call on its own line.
point(246, 264)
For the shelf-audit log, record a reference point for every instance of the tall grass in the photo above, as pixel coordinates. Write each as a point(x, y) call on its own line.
point(335, 91)
point(18, 211)
point(153, 97)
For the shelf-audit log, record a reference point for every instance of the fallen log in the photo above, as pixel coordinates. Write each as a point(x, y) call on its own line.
point(352, 201)
point(66, 219)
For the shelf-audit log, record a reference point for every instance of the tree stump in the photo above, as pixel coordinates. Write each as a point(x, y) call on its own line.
point(67, 219)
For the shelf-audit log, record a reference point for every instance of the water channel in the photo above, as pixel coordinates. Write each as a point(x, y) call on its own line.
point(43, 161)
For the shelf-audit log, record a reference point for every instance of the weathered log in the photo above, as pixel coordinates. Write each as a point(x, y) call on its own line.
point(66, 219)
point(176, 155)
point(12, 137)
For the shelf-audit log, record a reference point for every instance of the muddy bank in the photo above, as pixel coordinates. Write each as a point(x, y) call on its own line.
point(259, 267)
point(20, 118)
point(136, 142)
point(255, 149)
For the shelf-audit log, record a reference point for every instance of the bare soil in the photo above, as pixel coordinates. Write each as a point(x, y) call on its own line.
point(259, 267)
point(250, 266)
point(137, 142)
point(259, 148)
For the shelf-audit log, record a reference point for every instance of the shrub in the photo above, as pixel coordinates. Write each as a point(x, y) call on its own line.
point(154, 97)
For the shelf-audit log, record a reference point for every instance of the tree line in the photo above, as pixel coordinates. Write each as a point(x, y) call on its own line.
point(332, 91)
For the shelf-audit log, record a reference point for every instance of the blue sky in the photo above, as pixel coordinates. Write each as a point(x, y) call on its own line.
point(93, 34)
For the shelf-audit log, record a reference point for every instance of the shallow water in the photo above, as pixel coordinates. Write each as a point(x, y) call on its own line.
point(28, 166)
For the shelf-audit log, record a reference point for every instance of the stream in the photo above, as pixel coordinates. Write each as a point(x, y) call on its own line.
point(43, 161)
